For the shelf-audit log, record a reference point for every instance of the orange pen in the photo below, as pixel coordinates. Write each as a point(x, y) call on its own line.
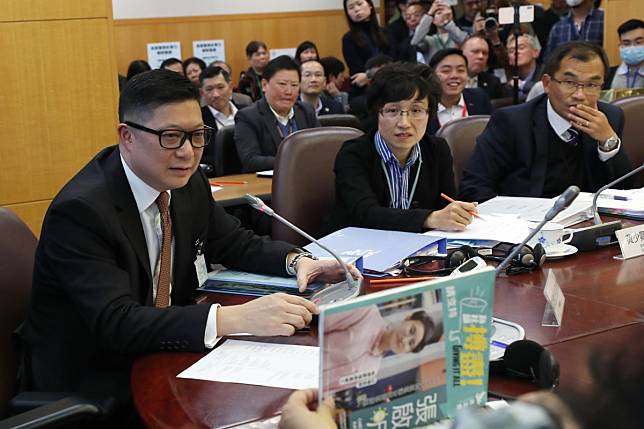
point(452, 200)
point(227, 182)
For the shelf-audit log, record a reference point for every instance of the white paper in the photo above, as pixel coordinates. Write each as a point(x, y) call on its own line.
point(265, 173)
point(214, 189)
point(209, 50)
point(534, 209)
point(282, 51)
point(264, 364)
point(157, 52)
point(508, 228)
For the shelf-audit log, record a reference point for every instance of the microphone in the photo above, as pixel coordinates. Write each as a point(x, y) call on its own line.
point(562, 202)
point(349, 288)
point(596, 219)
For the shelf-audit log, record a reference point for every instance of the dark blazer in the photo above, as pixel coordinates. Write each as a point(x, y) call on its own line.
point(510, 157)
point(356, 56)
point(330, 106)
point(362, 194)
point(91, 311)
point(257, 135)
point(250, 84)
point(477, 101)
point(491, 85)
point(208, 156)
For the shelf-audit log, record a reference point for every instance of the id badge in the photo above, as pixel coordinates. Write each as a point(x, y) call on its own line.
point(200, 266)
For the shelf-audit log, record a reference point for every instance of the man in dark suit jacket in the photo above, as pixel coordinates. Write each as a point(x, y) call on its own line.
point(115, 273)
point(260, 128)
point(312, 87)
point(565, 137)
point(477, 50)
point(456, 101)
point(220, 109)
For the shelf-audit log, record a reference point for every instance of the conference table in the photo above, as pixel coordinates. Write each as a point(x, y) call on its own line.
point(604, 306)
point(234, 187)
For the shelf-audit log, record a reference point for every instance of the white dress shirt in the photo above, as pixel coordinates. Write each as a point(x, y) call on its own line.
point(560, 125)
point(145, 197)
point(221, 119)
point(449, 114)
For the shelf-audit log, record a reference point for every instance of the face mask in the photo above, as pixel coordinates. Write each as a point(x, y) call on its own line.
point(574, 3)
point(632, 55)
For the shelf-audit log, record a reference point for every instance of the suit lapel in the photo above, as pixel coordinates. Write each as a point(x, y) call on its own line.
point(183, 255)
point(541, 128)
point(300, 117)
point(128, 212)
point(208, 118)
point(270, 122)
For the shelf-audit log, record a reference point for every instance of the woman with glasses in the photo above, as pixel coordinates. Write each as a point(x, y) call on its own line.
point(392, 177)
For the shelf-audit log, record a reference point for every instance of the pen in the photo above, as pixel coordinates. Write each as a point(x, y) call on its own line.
point(614, 197)
point(451, 200)
point(400, 280)
point(228, 182)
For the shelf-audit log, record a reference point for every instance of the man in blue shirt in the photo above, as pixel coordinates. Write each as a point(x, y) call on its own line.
point(583, 23)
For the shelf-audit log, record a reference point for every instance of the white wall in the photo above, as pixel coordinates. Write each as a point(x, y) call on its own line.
point(138, 9)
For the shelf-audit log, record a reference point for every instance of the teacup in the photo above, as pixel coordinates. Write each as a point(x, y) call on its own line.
point(551, 236)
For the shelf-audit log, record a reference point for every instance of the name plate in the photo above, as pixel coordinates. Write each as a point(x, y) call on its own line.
point(555, 301)
point(631, 241)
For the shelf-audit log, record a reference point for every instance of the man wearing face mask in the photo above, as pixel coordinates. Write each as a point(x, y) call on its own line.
point(630, 73)
point(583, 23)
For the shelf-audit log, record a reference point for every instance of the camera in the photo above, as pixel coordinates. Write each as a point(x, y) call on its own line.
point(491, 19)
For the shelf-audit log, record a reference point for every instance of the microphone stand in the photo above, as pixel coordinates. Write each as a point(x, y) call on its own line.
point(518, 248)
point(350, 288)
point(515, 68)
point(596, 219)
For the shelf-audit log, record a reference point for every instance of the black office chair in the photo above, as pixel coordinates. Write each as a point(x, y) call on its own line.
point(226, 158)
point(28, 409)
point(340, 120)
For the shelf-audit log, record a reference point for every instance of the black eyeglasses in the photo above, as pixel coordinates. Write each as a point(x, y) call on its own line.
point(174, 139)
point(570, 86)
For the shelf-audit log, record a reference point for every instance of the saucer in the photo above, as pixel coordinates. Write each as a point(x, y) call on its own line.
point(560, 251)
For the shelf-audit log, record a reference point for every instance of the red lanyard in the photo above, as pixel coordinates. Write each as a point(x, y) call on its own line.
point(463, 114)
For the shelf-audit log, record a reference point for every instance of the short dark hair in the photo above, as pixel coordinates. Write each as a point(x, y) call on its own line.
point(147, 91)
point(630, 25)
point(432, 333)
point(253, 47)
point(443, 53)
point(582, 51)
point(169, 61)
point(332, 66)
point(307, 44)
point(214, 63)
point(283, 62)
point(401, 81)
point(136, 67)
point(213, 71)
point(193, 60)
point(378, 61)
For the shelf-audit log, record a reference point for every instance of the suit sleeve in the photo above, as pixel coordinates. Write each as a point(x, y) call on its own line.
point(489, 161)
point(248, 133)
point(355, 193)
point(80, 254)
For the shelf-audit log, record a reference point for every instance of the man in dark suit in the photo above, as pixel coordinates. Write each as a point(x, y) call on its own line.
point(477, 50)
point(260, 128)
point(312, 87)
point(220, 108)
point(127, 241)
point(456, 101)
point(565, 137)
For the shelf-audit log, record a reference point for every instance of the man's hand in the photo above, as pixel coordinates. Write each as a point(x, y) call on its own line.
point(326, 271)
point(455, 217)
point(276, 314)
point(296, 413)
point(360, 79)
point(591, 121)
point(332, 89)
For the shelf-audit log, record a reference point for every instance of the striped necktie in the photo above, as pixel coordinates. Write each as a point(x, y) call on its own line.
point(573, 136)
point(163, 288)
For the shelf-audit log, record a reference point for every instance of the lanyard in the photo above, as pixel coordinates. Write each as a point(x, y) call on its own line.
point(288, 129)
point(410, 194)
point(629, 83)
point(259, 86)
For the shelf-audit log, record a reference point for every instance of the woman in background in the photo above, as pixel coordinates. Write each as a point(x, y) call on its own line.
point(192, 68)
point(306, 51)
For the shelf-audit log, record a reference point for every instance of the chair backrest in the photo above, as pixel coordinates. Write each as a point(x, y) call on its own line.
point(304, 181)
point(226, 158)
point(461, 137)
point(17, 250)
point(632, 140)
point(338, 120)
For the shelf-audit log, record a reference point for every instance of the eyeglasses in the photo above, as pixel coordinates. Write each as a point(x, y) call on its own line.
point(174, 139)
point(571, 86)
point(394, 112)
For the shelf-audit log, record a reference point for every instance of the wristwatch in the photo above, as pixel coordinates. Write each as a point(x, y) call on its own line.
point(610, 144)
point(291, 266)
